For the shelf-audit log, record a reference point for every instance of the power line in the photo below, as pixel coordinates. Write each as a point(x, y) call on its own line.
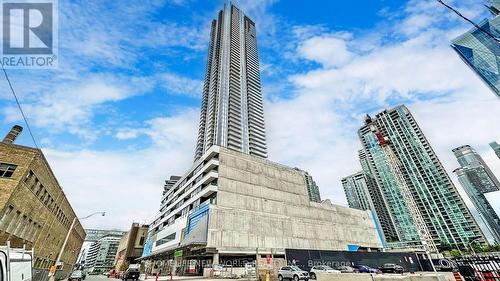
point(470, 21)
point(19, 106)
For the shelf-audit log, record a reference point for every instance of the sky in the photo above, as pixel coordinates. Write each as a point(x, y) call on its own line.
point(120, 113)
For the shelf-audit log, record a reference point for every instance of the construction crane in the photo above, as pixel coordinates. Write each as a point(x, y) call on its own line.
point(395, 167)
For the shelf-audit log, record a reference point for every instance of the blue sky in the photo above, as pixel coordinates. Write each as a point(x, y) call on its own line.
point(119, 115)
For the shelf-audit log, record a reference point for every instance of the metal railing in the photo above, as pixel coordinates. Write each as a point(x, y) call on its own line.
point(479, 267)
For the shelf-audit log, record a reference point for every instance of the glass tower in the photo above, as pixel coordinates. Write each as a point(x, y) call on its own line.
point(312, 188)
point(356, 191)
point(481, 52)
point(232, 113)
point(478, 172)
point(496, 147)
point(399, 155)
point(378, 200)
point(477, 178)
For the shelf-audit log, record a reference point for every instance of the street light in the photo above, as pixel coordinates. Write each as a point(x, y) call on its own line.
point(53, 276)
point(472, 246)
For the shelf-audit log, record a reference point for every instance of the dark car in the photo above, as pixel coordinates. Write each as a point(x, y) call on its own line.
point(392, 268)
point(366, 269)
point(131, 273)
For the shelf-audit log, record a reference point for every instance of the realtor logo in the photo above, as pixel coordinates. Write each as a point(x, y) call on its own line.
point(29, 34)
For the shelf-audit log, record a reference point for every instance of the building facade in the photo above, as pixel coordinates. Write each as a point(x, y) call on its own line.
point(417, 192)
point(481, 52)
point(496, 147)
point(232, 113)
point(356, 191)
point(478, 172)
point(377, 197)
point(312, 188)
point(477, 179)
point(101, 255)
point(234, 204)
point(131, 246)
point(92, 236)
point(486, 212)
point(34, 210)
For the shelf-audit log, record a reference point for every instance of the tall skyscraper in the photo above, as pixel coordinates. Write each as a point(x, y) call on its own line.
point(484, 208)
point(312, 188)
point(378, 200)
point(232, 112)
point(496, 147)
point(480, 51)
point(418, 194)
point(476, 178)
point(477, 171)
point(356, 191)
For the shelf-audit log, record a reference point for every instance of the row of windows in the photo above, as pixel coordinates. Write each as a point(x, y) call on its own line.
point(6, 170)
point(166, 239)
point(20, 225)
point(44, 196)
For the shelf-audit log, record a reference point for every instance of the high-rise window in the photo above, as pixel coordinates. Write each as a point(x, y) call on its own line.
point(6, 170)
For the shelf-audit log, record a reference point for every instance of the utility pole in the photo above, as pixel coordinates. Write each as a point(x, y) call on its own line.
point(59, 256)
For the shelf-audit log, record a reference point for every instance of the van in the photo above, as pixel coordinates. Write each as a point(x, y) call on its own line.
point(15, 264)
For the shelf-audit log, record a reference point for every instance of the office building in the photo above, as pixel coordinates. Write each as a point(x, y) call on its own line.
point(232, 113)
point(102, 253)
point(496, 147)
point(480, 51)
point(417, 192)
point(478, 173)
point(34, 211)
point(131, 246)
point(477, 179)
point(233, 203)
point(356, 191)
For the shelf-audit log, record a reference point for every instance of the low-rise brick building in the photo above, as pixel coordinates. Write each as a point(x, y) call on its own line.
point(131, 246)
point(34, 211)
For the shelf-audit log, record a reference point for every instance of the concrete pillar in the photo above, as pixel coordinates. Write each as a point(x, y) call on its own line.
point(215, 258)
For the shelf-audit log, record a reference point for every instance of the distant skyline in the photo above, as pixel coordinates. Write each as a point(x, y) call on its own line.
point(121, 113)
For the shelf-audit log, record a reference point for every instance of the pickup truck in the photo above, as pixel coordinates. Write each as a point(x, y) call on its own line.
point(15, 264)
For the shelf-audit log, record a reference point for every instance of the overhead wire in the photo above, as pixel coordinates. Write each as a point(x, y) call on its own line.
point(470, 21)
point(19, 106)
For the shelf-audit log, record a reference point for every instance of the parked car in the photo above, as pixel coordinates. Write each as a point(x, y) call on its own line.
point(366, 269)
point(346, 269)
point(292, 272)
point(76, 275)
point(392, 268)
point(321, 268)
point(131, 273)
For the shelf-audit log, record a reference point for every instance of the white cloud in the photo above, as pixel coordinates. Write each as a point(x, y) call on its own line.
point(328, 50)
point(71, 105)
point(180, 85)
point(127, 184)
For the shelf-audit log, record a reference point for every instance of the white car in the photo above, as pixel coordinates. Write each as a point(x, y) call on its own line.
point(322, 269)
